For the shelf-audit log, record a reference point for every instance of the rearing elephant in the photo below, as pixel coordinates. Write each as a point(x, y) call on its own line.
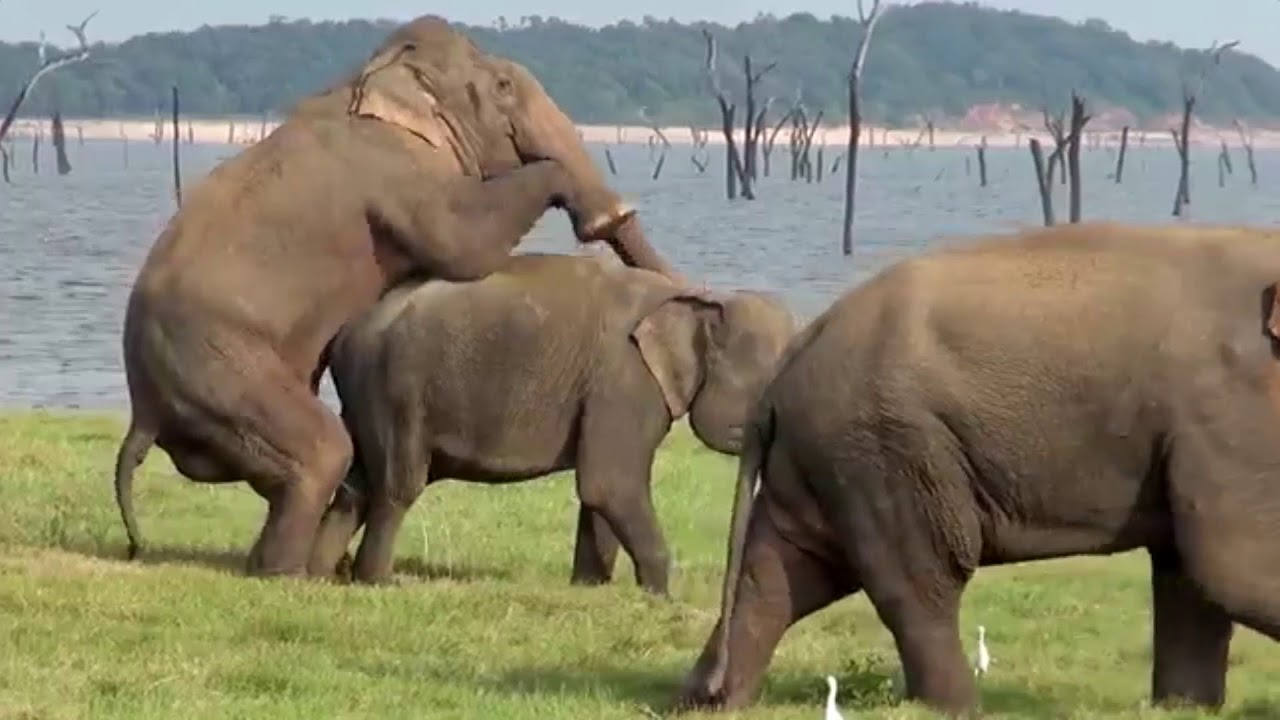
point(435, 159)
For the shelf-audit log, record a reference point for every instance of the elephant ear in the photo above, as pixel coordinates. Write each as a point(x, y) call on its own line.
point(392, 91)
point(667, 349)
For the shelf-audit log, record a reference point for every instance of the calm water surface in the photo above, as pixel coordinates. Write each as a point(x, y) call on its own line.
point(70, 246)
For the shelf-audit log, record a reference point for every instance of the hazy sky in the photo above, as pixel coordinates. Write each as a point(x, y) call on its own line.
point(1186, 22)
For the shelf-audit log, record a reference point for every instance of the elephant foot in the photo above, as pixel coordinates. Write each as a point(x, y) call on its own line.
point(345, 568)
point(590, 580)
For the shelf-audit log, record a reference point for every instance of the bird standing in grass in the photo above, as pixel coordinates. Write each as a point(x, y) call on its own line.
point(833, 712)
point(984, 657)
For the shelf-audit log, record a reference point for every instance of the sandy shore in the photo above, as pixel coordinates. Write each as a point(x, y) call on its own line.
point(248, 130)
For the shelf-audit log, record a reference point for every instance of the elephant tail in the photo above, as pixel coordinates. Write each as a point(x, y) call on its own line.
point(756, 441)
point(138, 440)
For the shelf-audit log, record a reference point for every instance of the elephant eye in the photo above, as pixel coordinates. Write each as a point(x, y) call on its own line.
point(505, 86)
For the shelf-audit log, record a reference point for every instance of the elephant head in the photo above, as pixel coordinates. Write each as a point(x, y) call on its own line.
point(712, 353)
point(489, 114)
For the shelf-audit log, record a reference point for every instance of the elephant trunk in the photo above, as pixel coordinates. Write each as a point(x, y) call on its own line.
point(599, 212)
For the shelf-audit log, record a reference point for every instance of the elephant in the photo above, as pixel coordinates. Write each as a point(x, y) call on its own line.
point(1085, 389)
point(554, 362)
point(434, 159)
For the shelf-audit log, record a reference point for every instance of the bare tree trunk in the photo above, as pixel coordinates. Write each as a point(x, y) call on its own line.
point(49, 65)
point(59, 139)
point(36, 138)
point(1043, 181)
point(657, 170)
point(868, 22)
point(1182, 139)
point(734, 169)
point(1224, 165)
point(177, 161)
point(982, 162)
point(1246, 142)
point(1078, 120)
point(1124, 146)
point(4, 158)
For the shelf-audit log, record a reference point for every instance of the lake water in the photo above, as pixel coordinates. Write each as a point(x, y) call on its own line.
point(70, 246)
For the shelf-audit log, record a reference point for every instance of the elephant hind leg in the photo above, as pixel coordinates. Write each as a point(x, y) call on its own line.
point(264, 425)
point(1191, 637)
point(396, 467)
point(907, 551)
point(344, 517)
point(596, 549)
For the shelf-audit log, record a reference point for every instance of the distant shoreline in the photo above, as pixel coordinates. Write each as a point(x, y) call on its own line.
point(246, 130)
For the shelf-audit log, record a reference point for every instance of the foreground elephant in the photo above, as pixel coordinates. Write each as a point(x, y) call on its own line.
point(1087, 389)
point(436, 158)
point(554, 362)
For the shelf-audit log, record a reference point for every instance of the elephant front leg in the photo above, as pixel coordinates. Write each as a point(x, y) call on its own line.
point(596, 549)
point(780, 585)
point(1191, 638)
point(468, 231)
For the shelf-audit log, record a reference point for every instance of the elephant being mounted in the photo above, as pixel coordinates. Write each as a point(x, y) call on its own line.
point(434, 159)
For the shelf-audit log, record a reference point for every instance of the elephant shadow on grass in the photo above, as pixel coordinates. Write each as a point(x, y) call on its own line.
point(232, 561)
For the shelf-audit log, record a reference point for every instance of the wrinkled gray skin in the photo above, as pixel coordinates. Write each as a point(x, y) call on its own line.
point(1082, 390)
point(434, 159)
point(554, 362)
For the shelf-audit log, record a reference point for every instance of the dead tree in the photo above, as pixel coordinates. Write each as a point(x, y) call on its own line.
point(801, 142)
point(868, 22)
point(1246, 142)
point(36, 138)
point(177, 162)
point(1182, 138)
point(737, 164)
point(767, 149)
point(59, 138)
point(157, 128)
point(700, 156)
point(1057, 127)
point(1124, 146)
point(654, 139)
point(1078, 120)
point(982, 162)
point(48, 65)
point(1043, 181)
point(1224, 164)
point(4, 158)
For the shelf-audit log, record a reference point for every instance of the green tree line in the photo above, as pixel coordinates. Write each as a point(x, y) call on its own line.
point(933, 59)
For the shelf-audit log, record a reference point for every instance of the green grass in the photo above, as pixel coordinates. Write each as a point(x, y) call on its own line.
point(487, 625)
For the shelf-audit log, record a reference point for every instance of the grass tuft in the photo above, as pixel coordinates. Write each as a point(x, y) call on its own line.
point(486, 624)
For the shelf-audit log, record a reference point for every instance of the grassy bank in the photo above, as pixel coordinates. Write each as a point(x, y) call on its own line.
point(487, 626)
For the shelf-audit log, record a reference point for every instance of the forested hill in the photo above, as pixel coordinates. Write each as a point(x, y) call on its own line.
point(936, 59)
